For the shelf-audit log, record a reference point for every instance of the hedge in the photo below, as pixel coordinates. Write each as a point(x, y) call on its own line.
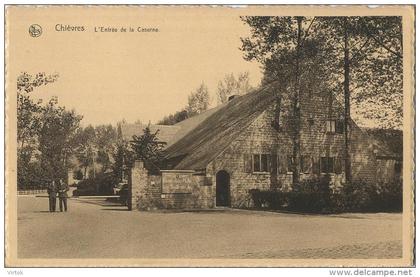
point(312, 197)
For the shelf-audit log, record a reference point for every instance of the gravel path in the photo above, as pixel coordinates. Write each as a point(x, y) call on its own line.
point(95, 229)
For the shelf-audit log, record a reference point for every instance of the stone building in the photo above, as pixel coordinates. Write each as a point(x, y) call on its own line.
point(246, 143)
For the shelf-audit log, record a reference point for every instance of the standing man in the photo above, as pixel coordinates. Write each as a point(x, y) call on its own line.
point(52, 195)
point(62, 194)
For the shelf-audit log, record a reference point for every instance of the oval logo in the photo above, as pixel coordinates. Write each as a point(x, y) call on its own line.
point(35, 30)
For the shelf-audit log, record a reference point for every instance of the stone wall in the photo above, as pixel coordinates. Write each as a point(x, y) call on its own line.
point(262, 138)
point(171, 190)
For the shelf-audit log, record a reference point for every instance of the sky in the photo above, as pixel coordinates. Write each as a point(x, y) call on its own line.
point(107, 77)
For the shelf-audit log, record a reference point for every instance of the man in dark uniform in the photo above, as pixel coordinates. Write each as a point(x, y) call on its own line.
point(62, 194)
point(52, 195)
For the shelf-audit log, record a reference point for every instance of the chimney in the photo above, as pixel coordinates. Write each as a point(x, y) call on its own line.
point(231, 97)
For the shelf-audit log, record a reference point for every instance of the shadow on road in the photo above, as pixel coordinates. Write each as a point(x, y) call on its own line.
point(123, 209)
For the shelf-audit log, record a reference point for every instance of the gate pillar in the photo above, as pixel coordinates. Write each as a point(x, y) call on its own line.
point(136, 184)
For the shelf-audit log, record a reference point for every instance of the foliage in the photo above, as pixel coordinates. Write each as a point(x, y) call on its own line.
point(198, 101)
point(173, 119)
point(375, 61)
point(106, 137)
point(78, 174)
point(314, 185)
point(390, 138)
point(30, 175)
point(315, 197)
point(282, 45)
point(356, 58)
point(85, 151)
point(233, 86)
point(95, 146)
point(45, 133)
point(362, 196)
point(148, 148)
point(123, 160)
point(56, 138)
point(102, 184)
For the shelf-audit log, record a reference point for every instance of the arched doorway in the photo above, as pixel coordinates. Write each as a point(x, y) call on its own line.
point(222, 189)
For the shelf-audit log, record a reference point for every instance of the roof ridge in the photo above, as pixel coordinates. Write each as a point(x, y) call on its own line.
point(210, 136)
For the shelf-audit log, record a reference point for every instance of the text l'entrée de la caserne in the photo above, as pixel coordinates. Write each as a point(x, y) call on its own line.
point(105, 29)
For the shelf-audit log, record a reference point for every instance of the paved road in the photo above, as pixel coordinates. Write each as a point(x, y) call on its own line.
point(97, 229)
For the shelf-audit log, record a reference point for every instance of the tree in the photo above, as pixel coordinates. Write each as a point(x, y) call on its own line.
point(123, 160)
point(367, 52)
point(198, 101)
point(85, 147)
point(233, 86)
point(173, 119)
point(357, 59)
point(148, 148)
point(123, 156)
point(378, 76)
point(29, 111)
point(105, 140)
point(276, 40)
point(56, 138)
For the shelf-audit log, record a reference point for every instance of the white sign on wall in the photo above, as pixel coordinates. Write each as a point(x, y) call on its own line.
point(177, 182)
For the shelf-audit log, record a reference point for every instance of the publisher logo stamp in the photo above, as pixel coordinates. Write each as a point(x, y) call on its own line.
point(35, 30)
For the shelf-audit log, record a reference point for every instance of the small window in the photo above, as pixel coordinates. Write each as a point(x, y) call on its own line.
point(289, 163)
point(305, 164)
point(327, 165)
point(282, 164)
point(398, 168)
point(339, 126)
point(261, 163)
point(264, 163)
point(338, 165)
point(273, 163)
point(256, 163)
point(315, 166)
point(330, 126)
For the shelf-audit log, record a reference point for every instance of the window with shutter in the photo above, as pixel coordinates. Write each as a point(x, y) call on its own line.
point(256, 163)
point(289, 163)
point(315, 165)
point(282, 164)
point(264, 163)
point(305, 164)
point(327, 165)
point(248, 163)
point(273, 164)
point(340, 126)
point(338, 165)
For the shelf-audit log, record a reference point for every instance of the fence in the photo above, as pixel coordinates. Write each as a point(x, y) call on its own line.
point(28, 190)
point(31, 191)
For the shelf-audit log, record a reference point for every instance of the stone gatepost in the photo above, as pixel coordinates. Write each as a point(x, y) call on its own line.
point(137, 185)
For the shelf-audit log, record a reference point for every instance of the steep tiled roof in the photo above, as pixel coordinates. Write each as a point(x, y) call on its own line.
point(214, 132)
point(165, 134)
point(189, 124)
point(388, 142)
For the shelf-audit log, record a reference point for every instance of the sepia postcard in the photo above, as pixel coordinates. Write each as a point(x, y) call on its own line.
point(209, 136)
